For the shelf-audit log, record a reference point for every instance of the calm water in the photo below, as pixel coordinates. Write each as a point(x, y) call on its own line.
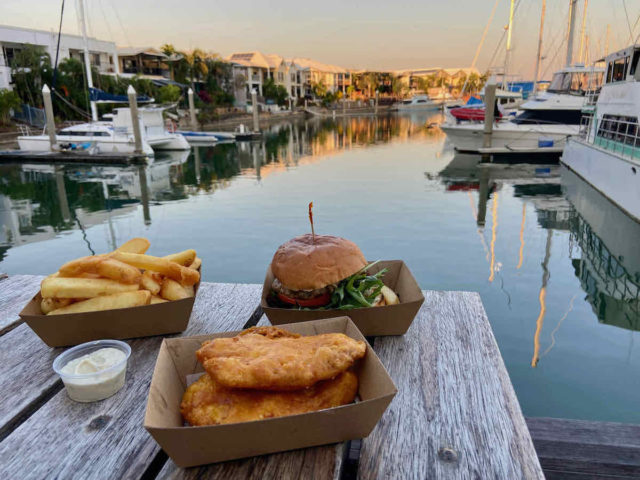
point(554, 262)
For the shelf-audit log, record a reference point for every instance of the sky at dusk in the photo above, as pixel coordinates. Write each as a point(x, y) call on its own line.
point(373, 34)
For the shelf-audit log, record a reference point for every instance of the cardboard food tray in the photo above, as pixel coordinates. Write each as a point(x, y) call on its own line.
point(190, 446)
point(374, 321)
point(75, 328)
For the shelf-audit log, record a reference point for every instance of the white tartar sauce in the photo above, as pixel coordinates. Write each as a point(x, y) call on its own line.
point(94, 385)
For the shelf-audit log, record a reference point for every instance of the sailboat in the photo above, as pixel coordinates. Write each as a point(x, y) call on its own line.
point(546, 121)
point(109, 136)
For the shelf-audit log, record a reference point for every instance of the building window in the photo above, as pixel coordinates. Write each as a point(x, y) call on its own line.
point(95, 59)
point(280, 77)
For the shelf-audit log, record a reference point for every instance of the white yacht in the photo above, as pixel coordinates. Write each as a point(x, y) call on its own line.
point(111, 136)
point(607, 155)
point(544, 124)
point(416, 103)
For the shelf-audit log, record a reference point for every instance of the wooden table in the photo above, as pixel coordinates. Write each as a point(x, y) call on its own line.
point(455, 415)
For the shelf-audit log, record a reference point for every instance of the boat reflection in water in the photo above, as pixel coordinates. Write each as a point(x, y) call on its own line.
point(609, 263)
point(39, 201)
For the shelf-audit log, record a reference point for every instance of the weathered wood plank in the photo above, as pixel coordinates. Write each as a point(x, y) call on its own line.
point(456, 414)
point(317, 463)
point(26, 373)
point(15, 292)
point(106, 439)
point(587, 448)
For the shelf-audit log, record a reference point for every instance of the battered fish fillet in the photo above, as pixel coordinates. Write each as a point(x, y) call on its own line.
point(269, 360)
point(269, 332)
point(206, 402)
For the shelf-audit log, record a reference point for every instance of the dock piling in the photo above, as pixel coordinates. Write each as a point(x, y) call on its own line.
point(376, 105)
point(254, 108)
point(51, 124)
point(489, 107)
point(135, 119)
point(192, 110)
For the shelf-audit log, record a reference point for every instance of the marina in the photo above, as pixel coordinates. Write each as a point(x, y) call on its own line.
point(258, 264)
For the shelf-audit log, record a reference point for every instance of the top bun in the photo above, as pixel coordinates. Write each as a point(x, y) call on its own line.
point(305, 264)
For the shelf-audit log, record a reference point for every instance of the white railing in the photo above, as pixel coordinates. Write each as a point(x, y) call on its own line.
point(620, 136)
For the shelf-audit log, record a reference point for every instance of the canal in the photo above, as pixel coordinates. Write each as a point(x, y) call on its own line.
point(555, 263)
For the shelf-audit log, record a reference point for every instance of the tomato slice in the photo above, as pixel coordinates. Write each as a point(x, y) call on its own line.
point(318, 301)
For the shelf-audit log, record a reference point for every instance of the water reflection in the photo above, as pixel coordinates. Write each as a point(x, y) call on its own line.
point(39, 201)
point(608, 260)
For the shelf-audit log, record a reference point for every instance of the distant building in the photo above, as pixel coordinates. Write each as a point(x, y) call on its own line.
point(103, 54)
point(252, 69)
point(146, 62)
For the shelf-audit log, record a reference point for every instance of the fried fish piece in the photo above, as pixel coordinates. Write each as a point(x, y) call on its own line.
point(269, 332)
point(268, 359)
point(206, 402)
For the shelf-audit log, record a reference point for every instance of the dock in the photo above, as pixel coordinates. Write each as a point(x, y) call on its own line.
point(72, 157)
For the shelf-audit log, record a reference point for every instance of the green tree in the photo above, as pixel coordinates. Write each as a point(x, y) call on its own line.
point(30, 69)
point(168, 94)
point(272, 91)
point(319, 89)
point(8, 100)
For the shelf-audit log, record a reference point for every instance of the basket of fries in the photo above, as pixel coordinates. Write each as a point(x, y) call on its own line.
point(122, 294)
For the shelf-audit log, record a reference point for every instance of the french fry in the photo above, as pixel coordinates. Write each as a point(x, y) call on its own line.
point(157, 299)
point(172, 290)
point(119, 271)
point(107, 302)
point(389, 295)
point(182, 275)
point(196, 263)
point(50, 304)
point(190, 289)
point(184, 258)
point(81, 265)
point(135, 245)
point(82, 287)
point(151, 281)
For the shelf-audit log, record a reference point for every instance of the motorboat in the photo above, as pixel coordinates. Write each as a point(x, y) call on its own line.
point(206, 138)
point(607, 153)
point(544, 124)
point(417, 102)
point(114, 135)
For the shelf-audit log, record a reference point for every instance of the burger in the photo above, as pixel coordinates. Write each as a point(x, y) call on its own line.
point(326, 272)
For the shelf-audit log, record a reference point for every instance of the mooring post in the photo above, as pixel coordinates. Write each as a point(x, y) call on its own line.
point(51, 124)
point(489, 106)
point(254, 108)
point(192, 110)
point(135, 119)
point(376, 107)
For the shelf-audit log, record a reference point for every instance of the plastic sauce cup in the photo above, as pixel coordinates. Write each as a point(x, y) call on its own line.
point(94, 386)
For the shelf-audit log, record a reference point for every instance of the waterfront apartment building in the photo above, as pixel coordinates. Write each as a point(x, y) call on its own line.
point(298, 75)
point(146, 62)
point(103, 54)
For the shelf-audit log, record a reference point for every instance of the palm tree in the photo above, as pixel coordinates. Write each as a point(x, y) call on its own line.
point(196, 61)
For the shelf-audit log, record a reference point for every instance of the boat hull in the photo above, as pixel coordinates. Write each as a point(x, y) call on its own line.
point(617, 178)
point(172, 141)
point(40, 143)
point(467, 137)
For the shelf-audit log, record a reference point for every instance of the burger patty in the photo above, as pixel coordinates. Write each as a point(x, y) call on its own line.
point(301, 294)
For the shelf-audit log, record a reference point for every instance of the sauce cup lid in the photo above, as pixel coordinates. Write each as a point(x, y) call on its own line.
point(85, 348)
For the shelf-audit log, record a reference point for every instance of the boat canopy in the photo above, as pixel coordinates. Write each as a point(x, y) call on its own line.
point(100, 96)
point(473, 100)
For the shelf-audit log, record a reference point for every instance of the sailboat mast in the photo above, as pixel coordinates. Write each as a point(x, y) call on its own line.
point(539, 56)
point(507, 57)
point(582, 32)
point(87, 61)
point(572, 26)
